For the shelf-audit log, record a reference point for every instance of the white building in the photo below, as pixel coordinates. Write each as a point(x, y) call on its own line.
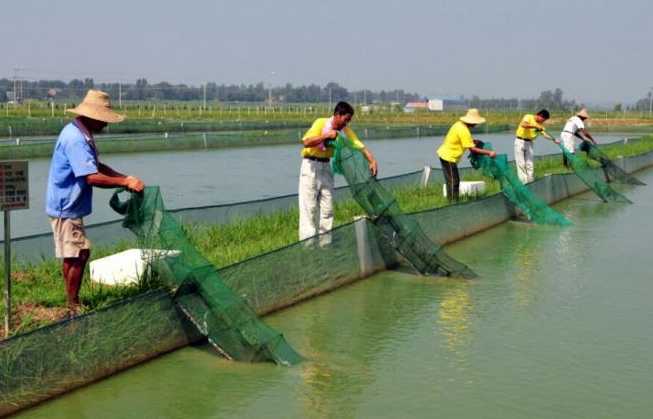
point(432, 105)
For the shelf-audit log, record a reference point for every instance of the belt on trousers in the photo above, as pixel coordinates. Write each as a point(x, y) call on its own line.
point(524, 139)
point(320, 159)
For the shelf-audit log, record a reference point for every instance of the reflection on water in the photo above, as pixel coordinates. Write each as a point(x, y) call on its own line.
point(454, 316)
point(557, 325)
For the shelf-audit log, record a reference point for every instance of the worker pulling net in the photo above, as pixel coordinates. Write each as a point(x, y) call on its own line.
point(230, 325)
point(592, 178)
point(402, 231)
point(613, 173)
point(534, 208)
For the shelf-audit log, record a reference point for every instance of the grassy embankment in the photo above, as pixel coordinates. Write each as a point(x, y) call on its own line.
point(38, 118)
point(38, 291)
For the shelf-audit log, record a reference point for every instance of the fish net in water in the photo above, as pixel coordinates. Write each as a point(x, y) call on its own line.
point(218, 313)
point(401, 230)
point(613, 173)
point(498, 168)
point(593, 178)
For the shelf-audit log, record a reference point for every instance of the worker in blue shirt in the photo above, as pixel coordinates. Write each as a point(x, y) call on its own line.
point(74, 170)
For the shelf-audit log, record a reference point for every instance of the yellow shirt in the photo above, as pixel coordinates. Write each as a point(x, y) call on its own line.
point(458, 139)
point(528, 133)
point(317, 129)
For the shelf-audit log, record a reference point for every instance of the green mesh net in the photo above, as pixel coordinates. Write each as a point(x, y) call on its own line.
point(221, 315)
point(593, 178)
point(534, 208)
point(402, 231)
point(613, 173)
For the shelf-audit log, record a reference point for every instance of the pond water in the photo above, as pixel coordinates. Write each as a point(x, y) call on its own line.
point(210, 177)
point(557, 325)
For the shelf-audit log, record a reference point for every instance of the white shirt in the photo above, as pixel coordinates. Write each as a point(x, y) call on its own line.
point(573, 125)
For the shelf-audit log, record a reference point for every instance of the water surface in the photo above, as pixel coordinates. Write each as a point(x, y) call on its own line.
point(219, 176)
point(558, 325)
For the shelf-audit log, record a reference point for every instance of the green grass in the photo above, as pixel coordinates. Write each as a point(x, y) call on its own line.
point(40, 284)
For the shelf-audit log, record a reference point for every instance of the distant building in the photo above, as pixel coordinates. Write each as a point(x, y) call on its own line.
point(435, 105)
point(432, 105)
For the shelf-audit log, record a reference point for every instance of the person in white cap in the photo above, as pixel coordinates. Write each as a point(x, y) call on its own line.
point(575, 127)
point(458, 139)
point(74, 170)
point(316, 178)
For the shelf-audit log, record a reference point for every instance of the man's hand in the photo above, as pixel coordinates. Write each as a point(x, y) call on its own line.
point(331, 134)
point(492, 153)
point(134, 184)
point(374, 167)
point(555, 140)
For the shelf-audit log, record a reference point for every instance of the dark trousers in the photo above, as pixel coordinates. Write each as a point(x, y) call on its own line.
point(452, 179)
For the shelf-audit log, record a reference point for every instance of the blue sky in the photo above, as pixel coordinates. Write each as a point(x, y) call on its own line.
point(596, 51)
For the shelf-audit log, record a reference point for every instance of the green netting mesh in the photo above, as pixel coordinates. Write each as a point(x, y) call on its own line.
point(592, 178)
point(612, 172)
point(401, 230)
point(218, 313)
point(512, 188)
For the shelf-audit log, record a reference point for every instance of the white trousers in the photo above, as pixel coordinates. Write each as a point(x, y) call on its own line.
point(315, 199)
point(524, 160)
point(569, 141)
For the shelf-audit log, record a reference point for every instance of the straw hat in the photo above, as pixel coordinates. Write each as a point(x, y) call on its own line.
point(583, 113)
point(96, 105)
point(473, 117)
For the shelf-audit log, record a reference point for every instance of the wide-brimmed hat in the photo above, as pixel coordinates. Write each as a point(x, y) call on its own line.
point(473, 116)
point(96, 105)
point(583, 113)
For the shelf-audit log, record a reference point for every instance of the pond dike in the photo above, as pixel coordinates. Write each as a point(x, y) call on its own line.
point(60, 357)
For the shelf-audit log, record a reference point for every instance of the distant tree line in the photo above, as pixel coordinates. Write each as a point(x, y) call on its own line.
point(552, 100)
point(142, 90)
point(644, 104)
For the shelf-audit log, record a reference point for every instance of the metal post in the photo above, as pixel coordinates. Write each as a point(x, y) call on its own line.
point(365, 260)
point(426, 174)
point(7, 272)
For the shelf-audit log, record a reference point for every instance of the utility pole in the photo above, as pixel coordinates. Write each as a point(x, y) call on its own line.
point(272, 74)
point(650, 102)
point(120, 94)
point(18, 85)
point(204, 95)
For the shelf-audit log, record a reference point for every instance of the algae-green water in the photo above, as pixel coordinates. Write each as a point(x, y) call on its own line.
point(557, 326)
